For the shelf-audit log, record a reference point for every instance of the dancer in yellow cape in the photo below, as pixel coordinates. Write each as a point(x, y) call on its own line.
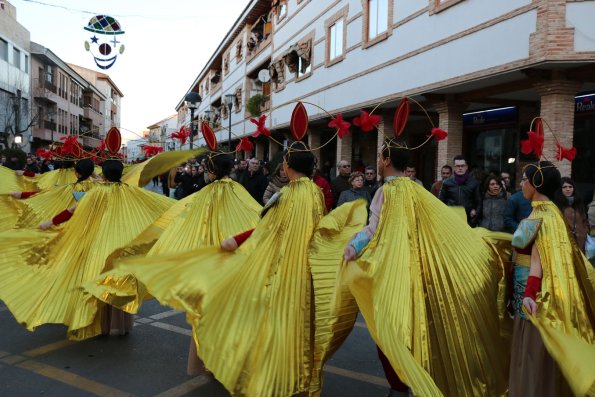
point(221, 209)
point(553, 346)
point(254, 309)
point(41, 285)
point(427, 286)
point(28, 209)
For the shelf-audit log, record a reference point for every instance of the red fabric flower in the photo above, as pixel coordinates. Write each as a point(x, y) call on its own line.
point(366, 121)
point(102, 146)
point(152, 150)
point(245, 145)
point(439, 134)
point(533, 145)
point(69, 144)
point(44, 154)
point(341, 125)
point(260, 126)
point(182, 135)
point(562, 153)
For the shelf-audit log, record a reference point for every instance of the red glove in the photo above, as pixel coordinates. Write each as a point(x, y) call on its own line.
point(240, 238)
point(62, 217)
point(533, 287)
point(28, 173)
point(25, 195)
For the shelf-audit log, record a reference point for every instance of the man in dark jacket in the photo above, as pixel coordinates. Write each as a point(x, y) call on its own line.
point(371, 181)
point(341, 182)
point(462, 190)
point(254, 181)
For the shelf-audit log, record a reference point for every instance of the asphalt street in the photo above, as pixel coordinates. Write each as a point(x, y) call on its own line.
point(150, 361)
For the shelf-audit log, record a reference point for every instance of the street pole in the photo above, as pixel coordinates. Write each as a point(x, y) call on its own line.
point(229, 133)
point(191, 127)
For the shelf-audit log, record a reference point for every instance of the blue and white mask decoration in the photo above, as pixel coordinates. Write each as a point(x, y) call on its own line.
point(104, 43)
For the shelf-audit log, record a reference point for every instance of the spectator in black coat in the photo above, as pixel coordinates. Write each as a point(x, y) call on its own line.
point(462, 190)
point(254, 181)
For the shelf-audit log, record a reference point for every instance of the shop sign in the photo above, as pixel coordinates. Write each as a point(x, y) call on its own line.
point(490, 116)
point(584, 104)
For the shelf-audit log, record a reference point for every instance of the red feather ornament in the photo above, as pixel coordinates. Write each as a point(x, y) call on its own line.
point(209, 135)
point(299, 122)
point(401, 117)
point(113, 141)
point(439, 134)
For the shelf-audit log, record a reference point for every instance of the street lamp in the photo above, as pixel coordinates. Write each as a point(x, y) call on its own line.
point(193, 100)
point(229, 99)
point(18, 139)
point(51, 114)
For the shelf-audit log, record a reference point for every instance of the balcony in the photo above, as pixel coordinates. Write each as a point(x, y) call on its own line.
point(91, 141)
point(50, 87)
point(49, 125)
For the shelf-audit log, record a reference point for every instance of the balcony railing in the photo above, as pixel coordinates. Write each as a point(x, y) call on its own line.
point(49, 125)
point(49, 86)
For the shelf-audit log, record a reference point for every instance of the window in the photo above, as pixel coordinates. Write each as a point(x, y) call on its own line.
point(16, 57)
point(439, 5)
point(282, 10)
point(304, 67)
point(335, 38)
point(26, 64)
point(3, 50)
point(377, 18)
point(239, 51)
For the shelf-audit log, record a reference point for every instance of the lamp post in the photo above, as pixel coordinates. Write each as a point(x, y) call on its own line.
point(51, 115)
point(229, 99)
point(193, 100)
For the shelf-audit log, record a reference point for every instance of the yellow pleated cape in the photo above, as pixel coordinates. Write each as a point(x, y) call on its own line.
point(220, 210)
point(10, 182)
point(427, 286)
point(566, 305)
point(252, 309)
point(49, 203)
point(42, 285)
point(59, 177)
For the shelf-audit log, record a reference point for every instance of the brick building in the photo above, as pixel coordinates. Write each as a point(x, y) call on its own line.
point(483, 69)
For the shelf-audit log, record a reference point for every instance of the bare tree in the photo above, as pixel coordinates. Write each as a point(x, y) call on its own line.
point(14, 117)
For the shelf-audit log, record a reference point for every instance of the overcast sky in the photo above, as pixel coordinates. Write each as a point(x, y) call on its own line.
point(167, 43)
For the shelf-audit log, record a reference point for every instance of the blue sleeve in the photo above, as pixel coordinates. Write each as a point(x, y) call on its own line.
point(360, 241)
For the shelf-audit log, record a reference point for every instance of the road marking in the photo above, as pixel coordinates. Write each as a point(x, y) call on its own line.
point(161, 316)
point(173, 328)
point(13, 359)
point(143, 320)
point(74, 380)
point(3, 309)
point(49, 348)
point(186, 387)
point(360, 324)
point(376, 380)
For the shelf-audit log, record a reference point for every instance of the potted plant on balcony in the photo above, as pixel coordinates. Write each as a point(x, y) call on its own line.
point(253, 105)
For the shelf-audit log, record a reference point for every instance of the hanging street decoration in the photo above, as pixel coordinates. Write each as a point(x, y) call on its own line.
point(104, 43)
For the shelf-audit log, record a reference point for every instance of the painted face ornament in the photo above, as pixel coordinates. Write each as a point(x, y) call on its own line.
point(104, 43)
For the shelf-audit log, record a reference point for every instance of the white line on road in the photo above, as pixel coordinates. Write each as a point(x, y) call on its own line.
point(173, 328)
point(161, 316)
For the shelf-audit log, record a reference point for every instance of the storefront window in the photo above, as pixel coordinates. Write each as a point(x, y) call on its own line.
point(491, 139)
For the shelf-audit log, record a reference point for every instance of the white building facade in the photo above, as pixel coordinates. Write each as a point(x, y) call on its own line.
point(16, 112)
point(482, 69)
